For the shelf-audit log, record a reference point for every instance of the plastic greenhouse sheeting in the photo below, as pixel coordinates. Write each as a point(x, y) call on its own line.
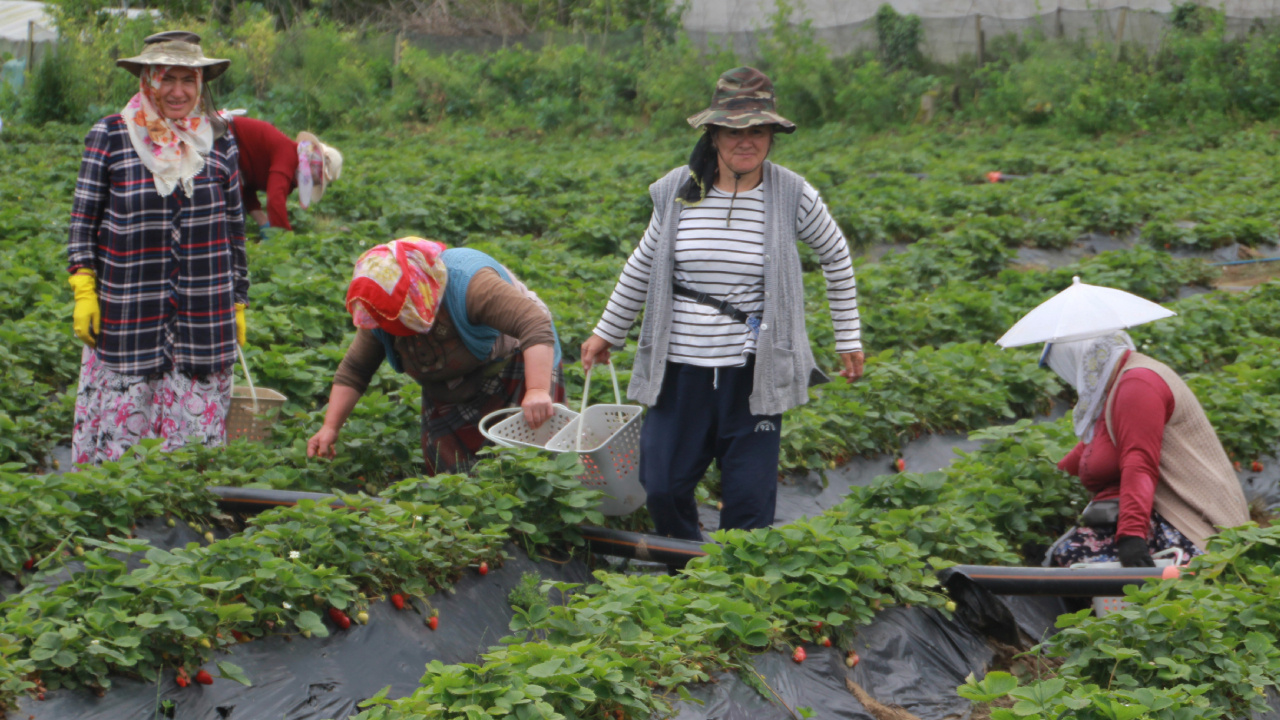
point(910, 657)
point(950, 27)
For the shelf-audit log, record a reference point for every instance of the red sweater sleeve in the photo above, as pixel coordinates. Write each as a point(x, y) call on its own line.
point(279, 185)
point(1071, 463)
point(1143, 405)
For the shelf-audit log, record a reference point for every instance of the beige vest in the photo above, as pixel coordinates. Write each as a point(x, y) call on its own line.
point(1197, 490)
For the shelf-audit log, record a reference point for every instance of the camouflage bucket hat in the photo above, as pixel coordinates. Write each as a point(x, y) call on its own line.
point(743, 98)
point(175, 47)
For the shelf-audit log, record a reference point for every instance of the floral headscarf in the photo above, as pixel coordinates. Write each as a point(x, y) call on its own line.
point(1087, 365)
point(398, 286)
point(310, 171)
point(173, 150)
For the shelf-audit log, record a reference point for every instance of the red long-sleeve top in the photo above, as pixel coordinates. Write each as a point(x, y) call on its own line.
point(268, 162)
point(1130, 467)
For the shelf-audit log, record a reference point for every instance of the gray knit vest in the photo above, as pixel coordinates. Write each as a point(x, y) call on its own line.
point(785, 368)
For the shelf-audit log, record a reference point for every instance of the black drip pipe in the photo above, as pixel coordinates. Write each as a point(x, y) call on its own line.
point(606, 541)
point(640, 546)
point(256, 500)
point(1062, 582)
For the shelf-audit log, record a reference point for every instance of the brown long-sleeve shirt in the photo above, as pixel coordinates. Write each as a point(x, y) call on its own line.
point(439, 360)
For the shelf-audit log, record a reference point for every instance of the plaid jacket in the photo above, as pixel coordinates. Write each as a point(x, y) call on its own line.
point(169, 268)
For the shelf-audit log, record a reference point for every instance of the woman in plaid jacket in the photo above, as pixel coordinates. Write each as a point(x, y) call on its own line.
point(157, 259)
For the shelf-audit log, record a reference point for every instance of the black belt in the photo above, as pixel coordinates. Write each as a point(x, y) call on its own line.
point(710, 300)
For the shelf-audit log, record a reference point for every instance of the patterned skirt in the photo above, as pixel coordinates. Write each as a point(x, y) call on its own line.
point(1091, 544)
point(115, 411)
point(450, 431)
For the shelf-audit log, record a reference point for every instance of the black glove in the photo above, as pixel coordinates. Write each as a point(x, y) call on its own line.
point(1133, 552)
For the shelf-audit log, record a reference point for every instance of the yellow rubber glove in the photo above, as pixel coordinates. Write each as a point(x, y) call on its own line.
point(86, 319)
point(240, 326)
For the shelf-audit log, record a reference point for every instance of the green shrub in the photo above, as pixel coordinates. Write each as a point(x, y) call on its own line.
point(899, 38)
point(50, 94)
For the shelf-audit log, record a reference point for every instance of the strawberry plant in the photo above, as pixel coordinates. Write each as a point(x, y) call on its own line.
point(1148, 660)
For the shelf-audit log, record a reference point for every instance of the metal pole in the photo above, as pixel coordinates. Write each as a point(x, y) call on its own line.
point(982, 40)
point(31, 45)
point(1124, 16)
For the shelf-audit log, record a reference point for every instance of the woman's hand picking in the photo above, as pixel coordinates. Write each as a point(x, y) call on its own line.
point(852, 365)
point(323, 443)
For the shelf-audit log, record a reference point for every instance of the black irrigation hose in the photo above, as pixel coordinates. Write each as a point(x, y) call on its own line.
point(1063, 582)
point(256, 500)
point(641, 546)
point(619, 543)
point(1084, 582)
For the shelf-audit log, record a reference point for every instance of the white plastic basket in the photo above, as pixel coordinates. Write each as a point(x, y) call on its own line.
point(1103, 606)
point(515, 432)
point(607, 439)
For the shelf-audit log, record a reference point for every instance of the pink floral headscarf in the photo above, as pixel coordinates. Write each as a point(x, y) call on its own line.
point(173, 150)
point(398, 287)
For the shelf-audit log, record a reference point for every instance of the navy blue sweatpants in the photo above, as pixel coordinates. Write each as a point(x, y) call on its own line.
point(699, 418)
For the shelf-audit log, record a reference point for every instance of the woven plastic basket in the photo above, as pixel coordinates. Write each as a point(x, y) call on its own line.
point(253, 410)
point(607, 439)
point(515, 432)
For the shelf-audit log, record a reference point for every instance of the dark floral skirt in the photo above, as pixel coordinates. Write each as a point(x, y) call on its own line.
point(450, 431)
point(1090, 544)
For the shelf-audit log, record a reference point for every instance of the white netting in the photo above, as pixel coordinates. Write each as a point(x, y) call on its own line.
point(950, 27)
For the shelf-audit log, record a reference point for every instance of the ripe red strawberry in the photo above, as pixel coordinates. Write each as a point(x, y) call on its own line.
point(799, 655)
point(398, 600)
point(339, 618)
point(182, 678)
point(239, 636)
point(1256, 466)
point(818, 626)
point(825, 641)
point(1236, 465)
point(433, 622)
point(40, 697)
point(484, 568)
point(30, 563)
point(900, 464)
point(204, 678)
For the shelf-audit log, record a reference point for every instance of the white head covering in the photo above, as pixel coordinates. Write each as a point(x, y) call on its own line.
point(173, 150)
point(1087, 366)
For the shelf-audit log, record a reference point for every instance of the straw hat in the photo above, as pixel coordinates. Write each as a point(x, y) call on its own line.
point(743, 98)
point(175, 47)
point(332, 164)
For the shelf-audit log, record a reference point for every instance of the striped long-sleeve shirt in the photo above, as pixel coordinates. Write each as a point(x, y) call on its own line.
point(727, 262)
point(170, 269)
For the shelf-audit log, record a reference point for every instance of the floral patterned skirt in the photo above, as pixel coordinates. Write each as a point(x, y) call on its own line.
point(450, 431)
point(1091, 544)
point(115, 411)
